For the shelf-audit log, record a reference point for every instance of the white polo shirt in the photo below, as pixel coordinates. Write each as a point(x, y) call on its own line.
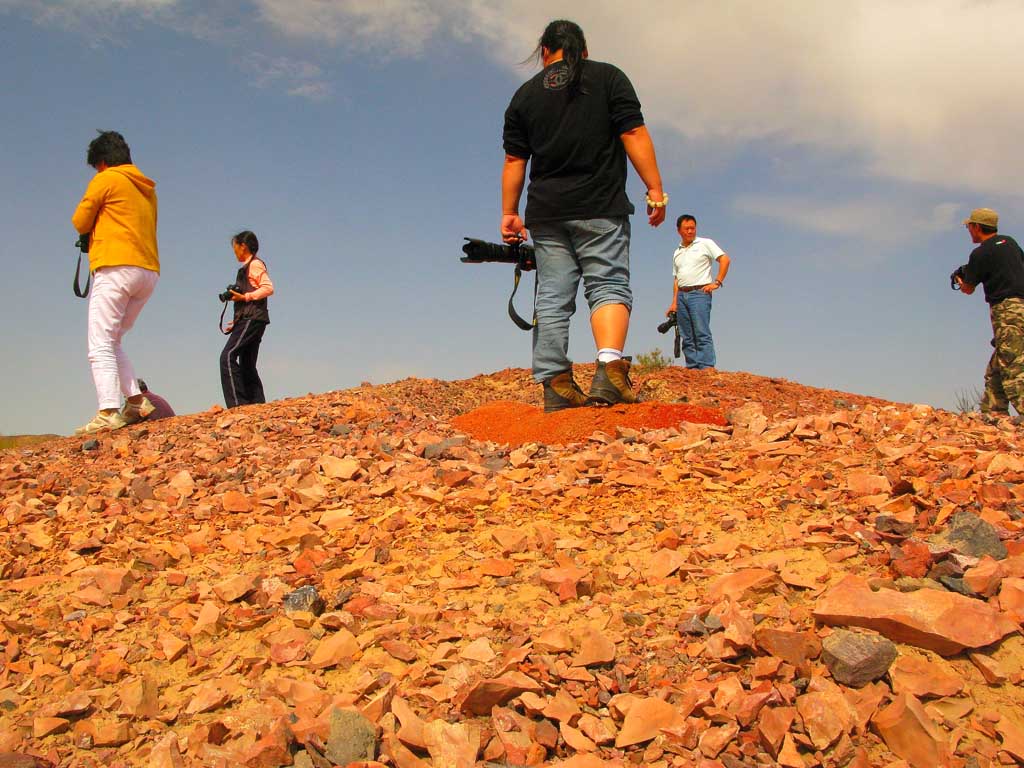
point(691, 264)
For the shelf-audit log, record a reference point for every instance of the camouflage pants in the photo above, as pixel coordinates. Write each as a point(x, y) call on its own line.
point(1004, 376)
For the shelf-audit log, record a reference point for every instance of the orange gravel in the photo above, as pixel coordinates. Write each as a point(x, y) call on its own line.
point(506, 421)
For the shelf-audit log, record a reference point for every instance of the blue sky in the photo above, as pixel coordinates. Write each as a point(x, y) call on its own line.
point(832, 149)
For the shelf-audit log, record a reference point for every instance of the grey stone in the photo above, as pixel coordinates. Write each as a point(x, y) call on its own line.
point(438, 450)
point(856, 659)
point(304, 599)
point(969, 535)
point(340, 430)
point(90, 445)
point(713, 623)
point(956, 584)
point(353, 738)
point(908, 584)
point(694, 626)
point(495, 463)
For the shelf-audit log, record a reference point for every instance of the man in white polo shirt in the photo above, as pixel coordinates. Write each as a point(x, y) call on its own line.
point(692, 287)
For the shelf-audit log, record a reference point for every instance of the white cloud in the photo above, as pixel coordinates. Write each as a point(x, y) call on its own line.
point(918, 91)
point(299, 78)
point(319, 91)
point(386, 28)
point(889, 221)
point(69, 11)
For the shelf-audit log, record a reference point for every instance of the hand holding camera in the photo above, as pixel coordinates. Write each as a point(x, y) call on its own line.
point(957, 273)
point(669, 323)
point(233, 293)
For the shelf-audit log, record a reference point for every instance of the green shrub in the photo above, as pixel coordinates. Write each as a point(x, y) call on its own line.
point(654, 360)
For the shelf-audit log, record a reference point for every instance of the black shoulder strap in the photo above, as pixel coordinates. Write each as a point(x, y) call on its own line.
point(88, 282)
point(511, 307)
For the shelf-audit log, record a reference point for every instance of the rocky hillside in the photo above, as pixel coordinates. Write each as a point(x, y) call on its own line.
point(413, 574)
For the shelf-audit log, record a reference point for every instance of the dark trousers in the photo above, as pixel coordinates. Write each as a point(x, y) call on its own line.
point(238, 376)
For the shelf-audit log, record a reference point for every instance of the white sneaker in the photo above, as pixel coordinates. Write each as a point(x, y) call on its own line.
point(133, 413)
point(102, 421)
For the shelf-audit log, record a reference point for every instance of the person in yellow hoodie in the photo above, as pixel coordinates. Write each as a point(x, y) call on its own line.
point(118, 212)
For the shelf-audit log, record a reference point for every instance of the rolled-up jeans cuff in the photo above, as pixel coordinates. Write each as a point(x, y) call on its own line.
point(611, 300)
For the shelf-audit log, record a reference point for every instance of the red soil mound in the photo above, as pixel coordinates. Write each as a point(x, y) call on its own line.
point(515, 423)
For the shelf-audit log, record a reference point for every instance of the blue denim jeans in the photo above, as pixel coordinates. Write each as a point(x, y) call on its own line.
point(596, 250)
point(693, 313)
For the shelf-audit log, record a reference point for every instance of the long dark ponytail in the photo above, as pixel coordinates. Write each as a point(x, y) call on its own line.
point(567, 37)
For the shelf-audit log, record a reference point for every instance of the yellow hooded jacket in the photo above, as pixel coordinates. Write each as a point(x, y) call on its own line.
point(119, 210)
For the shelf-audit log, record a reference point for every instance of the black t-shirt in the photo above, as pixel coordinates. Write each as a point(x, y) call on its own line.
point(998, 264)
point(577, 161)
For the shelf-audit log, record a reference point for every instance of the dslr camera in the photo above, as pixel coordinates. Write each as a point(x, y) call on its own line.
point(82, 243)
point(480, 252)
point(958, 272)
point(226, 296)
point(519, 253)
point(669, 324)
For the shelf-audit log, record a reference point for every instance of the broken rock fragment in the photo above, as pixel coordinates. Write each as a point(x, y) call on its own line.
point(921, 678)
point(943, 622)
point(353, 738)
point(910, 733)
point(969, 535)
point(645, 719)
point(304, 599)
point(855, 658)
point(482, 695)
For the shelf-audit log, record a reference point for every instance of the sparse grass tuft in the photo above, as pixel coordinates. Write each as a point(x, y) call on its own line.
point(655, 360)
point(968, 400)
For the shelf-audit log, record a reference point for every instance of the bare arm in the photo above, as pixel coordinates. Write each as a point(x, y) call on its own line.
point(513, 177)
point(675, 296)
point(640, 150)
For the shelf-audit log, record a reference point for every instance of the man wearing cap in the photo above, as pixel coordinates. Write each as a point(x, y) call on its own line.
point(998, 265)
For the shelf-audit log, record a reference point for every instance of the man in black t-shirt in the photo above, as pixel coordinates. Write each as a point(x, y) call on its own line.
point(998, 265)
point(575, 123)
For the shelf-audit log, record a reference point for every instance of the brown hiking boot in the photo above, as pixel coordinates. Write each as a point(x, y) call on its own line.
point(133, 413)
point(611, 383)
point(561, 392)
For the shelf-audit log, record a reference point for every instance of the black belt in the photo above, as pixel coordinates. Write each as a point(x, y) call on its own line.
point(688, 288)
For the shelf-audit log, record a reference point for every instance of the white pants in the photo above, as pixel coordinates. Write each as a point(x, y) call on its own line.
point(118, 296)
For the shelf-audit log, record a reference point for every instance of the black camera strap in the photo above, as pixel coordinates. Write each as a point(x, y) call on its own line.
point(220, 323)
point(88, 282)
point(523, 325)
